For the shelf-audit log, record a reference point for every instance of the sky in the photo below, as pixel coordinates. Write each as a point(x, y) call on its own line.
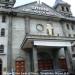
point(48, 2)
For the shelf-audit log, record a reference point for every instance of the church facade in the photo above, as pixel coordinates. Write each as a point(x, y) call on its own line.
point(36, 38)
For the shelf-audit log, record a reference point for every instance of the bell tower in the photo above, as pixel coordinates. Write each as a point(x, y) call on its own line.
point(62, 7)
point(7, 3)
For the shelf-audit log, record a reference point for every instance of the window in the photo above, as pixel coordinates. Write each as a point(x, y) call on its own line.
point(69, 35)
point(1, 48)
point(73, 48)
point(72, 27)
point(67, 26)
point(3, 18)
point(62, 8)
point(39, 27)
point(57, 34)
point(52, 31)
point(67, 9)
point(74, 35)
point(2, 32)
point(73, 55)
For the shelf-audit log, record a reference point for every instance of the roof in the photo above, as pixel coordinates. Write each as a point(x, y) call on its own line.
point(37, 9)
point(40, 9)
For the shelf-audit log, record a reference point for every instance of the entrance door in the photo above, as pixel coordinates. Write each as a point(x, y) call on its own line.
point(59, 64)
point(20, 67)
point(63, 64)
point(0, 67)
point(44, 62)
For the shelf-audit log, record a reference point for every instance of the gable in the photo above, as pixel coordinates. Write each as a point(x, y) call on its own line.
point(36, 8)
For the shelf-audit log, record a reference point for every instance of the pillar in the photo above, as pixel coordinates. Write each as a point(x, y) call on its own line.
point(35, 60)
point(27, 25)
point(61, 53)
point(68, 58)
point(9, 50)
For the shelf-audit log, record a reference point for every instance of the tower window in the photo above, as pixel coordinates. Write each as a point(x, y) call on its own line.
point(73, 55)
point(72, 27)
point(62, 8)
point(3, 18)
point(67, 9)
point(67, 26)
point(2, 32)
point(69, 35)
point(1, 48)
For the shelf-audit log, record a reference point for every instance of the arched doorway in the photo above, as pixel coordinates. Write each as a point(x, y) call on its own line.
point(44, 61)
point(20, 66)
point(0, 67)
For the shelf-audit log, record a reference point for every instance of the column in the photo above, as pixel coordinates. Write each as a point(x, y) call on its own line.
point(27, 25)
point(9, 50)
point(68, 58)
point(61, 53)
point(35, 60)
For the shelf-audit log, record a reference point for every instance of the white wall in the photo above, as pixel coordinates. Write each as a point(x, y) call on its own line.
point(18, 34)
point(4, 41)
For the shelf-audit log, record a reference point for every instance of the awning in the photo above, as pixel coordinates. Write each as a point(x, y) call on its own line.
point(49, 43)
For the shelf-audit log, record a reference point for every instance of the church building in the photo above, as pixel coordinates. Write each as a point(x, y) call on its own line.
point(36, 38)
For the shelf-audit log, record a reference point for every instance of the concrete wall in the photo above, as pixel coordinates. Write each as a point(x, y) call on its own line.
point(56, 26)
point(4, 41)
point(18, 34)
point(69, 31)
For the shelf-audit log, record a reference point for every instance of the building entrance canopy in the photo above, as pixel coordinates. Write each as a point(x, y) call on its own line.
point(47, 43)
point(31, 40)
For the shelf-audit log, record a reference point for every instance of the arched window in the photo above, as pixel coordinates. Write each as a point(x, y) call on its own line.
point(67, 9)
point(2, 32)
point(67, 26)
point(1, 48)
point(3, 18)
point(62, 8)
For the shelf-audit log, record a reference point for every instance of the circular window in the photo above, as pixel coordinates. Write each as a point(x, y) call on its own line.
point(39, 27)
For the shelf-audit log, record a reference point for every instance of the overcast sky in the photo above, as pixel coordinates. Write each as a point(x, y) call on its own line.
point(49, 2)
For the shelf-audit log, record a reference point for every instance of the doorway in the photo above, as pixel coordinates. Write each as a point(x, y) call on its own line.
point(44, 61)
point(50, 61)
point(20, 67)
